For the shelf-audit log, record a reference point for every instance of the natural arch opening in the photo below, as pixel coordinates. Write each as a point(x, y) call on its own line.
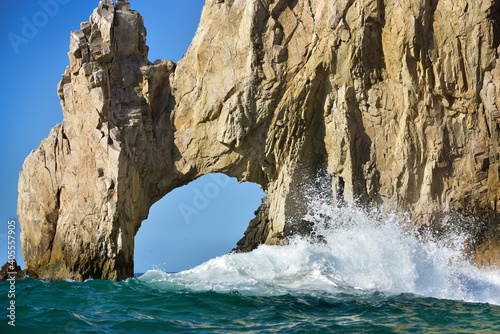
point(195, 223)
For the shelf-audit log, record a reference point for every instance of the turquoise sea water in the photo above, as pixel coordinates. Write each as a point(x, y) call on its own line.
point(363, 272)
point(141, 307)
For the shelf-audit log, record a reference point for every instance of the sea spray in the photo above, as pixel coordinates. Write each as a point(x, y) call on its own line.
point(357, 271)
point(350, 250)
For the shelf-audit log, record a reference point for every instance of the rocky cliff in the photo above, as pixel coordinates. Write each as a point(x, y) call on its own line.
point(393, 103)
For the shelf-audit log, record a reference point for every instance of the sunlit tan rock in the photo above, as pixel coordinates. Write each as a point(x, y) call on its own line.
point(394, 103)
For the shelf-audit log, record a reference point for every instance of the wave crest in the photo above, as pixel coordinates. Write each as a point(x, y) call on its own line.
point(350, 251)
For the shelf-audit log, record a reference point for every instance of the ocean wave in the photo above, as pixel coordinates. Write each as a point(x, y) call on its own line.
point(354, 251)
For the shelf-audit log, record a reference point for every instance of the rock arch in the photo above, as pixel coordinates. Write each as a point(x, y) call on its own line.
point(269, 92)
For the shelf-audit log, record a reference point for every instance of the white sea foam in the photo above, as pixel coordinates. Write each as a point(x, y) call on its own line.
point(355, 252)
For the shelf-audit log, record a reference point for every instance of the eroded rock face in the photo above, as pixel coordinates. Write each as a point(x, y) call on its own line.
point(394, 103)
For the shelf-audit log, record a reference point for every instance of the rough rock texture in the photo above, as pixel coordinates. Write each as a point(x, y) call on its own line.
point(11, 267)
point(393, 102)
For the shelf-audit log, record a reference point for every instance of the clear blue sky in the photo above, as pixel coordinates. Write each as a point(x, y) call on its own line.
point(189, 225)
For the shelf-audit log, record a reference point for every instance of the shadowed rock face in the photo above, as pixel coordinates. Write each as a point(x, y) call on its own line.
point(392, 102)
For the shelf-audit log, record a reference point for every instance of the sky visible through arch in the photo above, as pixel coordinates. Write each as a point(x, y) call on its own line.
point(195, 223)
point(34, 45)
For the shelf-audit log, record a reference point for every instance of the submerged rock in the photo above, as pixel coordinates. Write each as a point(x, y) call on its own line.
point(11, 269)
point(392, 103)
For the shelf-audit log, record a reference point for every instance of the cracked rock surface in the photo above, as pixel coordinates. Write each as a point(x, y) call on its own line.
point(394, 103)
